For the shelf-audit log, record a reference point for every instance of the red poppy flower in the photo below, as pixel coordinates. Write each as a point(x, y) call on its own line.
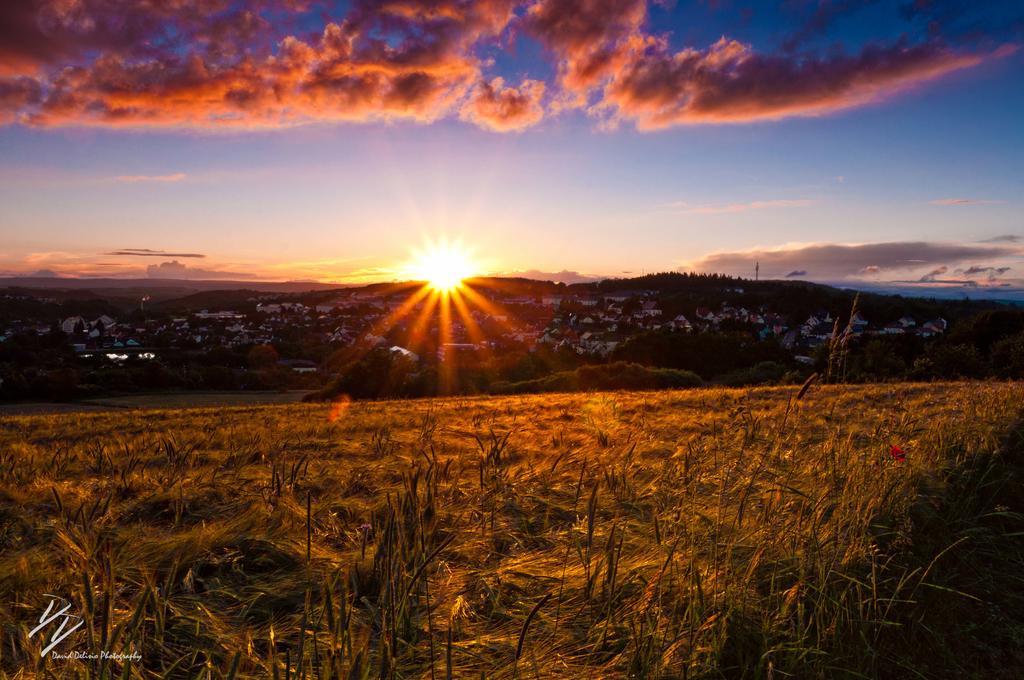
point(897, 453)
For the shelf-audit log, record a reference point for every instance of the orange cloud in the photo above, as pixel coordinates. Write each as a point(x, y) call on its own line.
point(304, 83)
point(729, 83)
point(602, 48)
point(17, 94)
point(411, 59)
point(494, 106)
point(211, 64)
point(589, 38)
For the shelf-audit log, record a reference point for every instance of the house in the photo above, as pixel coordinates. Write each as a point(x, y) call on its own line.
point(408, 354)
point(551, 300)
point(933, 327)
point(549, 338)
point(526, 337)
point(650, 309)
point(73, 324)
point(818, 318)
point(299, 365)
point(907, 322)
point(705, 314)
point(818, 333)
point(681, 323)
point(219, 316)
point(341, 334)
point(592, 344)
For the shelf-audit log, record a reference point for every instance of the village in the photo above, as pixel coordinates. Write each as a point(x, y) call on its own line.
point(592, 325)
point(601, 331)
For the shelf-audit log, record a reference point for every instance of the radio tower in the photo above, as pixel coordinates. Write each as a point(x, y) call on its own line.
point(757, 270)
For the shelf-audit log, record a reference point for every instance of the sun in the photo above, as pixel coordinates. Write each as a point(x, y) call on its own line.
point(443, 266)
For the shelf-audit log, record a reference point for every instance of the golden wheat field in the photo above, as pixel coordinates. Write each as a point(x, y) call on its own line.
point(691, 534)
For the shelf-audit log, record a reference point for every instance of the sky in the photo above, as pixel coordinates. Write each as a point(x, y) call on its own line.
point(860, 142)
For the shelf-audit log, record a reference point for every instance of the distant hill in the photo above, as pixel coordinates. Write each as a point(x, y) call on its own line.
point(661, 282)
point(679, 290)
point(163, 288)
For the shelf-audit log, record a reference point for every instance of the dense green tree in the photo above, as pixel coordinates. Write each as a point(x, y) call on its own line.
point(1007, 357)
point(262, 357)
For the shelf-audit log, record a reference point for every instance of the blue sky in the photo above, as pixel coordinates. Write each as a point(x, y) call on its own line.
point(931, 152)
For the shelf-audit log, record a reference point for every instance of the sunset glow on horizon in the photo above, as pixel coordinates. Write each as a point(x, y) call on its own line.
point(442, 265)
point(444, 306)
point(566, 140)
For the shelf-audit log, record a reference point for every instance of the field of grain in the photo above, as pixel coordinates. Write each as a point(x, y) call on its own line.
point(690, 534)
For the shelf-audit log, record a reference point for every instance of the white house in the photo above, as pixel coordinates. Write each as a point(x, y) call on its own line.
point(69, 324)
point(650, 308)
point(907, 322)
point(408, 354)
point(682, 323)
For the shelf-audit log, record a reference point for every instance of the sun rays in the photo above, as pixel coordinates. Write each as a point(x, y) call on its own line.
point(446, 304)
point(442, 265)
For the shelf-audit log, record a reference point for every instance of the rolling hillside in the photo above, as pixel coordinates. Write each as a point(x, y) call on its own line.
point(857, 532)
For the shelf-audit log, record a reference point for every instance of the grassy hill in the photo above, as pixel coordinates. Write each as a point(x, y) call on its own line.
point(680, 534)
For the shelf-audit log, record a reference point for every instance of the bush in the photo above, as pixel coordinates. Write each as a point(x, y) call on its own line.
point(380, 374)
point(1008, 357)
point(950, 361)
point(764, 373)
point(262, 357)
